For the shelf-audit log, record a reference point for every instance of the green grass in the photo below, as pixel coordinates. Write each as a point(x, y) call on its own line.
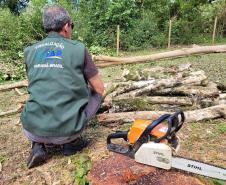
point(217, 182)
point(2, 158)
point(221, 127)
point(213, 64)
point(82, 164)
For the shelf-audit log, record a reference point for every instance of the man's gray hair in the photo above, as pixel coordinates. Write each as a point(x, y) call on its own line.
point(54, 18)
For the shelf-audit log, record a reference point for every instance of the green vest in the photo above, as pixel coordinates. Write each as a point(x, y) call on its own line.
point(57, 87)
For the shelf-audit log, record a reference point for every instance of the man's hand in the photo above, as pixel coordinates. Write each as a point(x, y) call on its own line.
point(97, 84)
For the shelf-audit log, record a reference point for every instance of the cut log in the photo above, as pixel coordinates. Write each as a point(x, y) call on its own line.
point(126, 117)
point(221, 86)
point(218, 111)
point(213, 112)
point(194, 78)
point(130, 86)
point(184, 101)
point(151, 103)
point(210, 90)
point(148, 87)
point(19, 84)
point(222, 96)
point(154, 72)
point(170, 54)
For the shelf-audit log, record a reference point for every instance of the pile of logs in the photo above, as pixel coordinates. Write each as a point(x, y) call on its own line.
point(151, 92)
point(163, 89)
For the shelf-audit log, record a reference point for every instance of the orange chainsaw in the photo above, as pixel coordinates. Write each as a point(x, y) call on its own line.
point(153, 143)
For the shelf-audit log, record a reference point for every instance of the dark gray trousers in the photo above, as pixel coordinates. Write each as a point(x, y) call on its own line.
point(90, 111)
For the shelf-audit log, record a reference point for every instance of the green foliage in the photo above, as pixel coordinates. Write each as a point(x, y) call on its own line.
point(143, 24)
point(217, 182)
point(2, 158)
point(98, 50)
point(99, 19)
point(221, 127)
point(18, 32)
point(82, 164)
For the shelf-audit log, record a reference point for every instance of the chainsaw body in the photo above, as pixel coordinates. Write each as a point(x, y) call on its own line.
point(161, 130)
point(155, 154)
point(153, 143)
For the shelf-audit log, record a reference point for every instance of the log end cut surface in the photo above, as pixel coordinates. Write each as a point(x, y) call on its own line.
point(121, 170)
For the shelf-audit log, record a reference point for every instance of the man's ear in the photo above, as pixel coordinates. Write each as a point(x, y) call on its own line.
point(65, 27)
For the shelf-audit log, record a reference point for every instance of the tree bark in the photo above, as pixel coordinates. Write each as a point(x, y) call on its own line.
point(134, 89)
point(126, 117)
point(213, 112)
point(170, 54)
point(183, 101)
point(210, 90)
point(19, 84)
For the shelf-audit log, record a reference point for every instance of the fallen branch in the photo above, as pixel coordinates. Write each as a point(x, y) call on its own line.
point(170, 54)
point(19, 84)
point(11, 112)
point(218, 111)
point(18, 92)
point(213, 112)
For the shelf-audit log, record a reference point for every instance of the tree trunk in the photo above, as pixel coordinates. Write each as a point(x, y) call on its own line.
point(118, 169)
point(170, 54)
point(218, 111)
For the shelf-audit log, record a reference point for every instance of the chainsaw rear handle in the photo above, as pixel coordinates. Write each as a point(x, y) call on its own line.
point(116, 147)
point(117, 135)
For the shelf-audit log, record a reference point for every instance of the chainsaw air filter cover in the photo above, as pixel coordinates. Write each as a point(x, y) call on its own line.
point(138, 127)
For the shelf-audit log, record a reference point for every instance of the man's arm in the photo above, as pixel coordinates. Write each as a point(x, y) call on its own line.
point(97, 84)
point(91, 74)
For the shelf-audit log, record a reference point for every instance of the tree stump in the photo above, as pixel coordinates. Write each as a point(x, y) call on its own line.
point(122, 170)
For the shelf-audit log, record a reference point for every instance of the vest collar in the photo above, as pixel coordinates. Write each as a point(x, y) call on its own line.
point(54, 34)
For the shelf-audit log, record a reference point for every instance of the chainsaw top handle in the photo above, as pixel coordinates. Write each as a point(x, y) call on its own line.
point(175, 123)
point(116, 147)
point(154, 124)
point(176, 120)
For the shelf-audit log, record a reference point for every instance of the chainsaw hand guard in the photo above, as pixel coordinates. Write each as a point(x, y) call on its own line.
point(175, 123)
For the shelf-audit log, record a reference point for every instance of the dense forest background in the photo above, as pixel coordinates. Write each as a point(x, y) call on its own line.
point(143, 24)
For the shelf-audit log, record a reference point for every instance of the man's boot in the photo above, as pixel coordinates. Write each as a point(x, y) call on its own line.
point(74, 146)
point(38, 155)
